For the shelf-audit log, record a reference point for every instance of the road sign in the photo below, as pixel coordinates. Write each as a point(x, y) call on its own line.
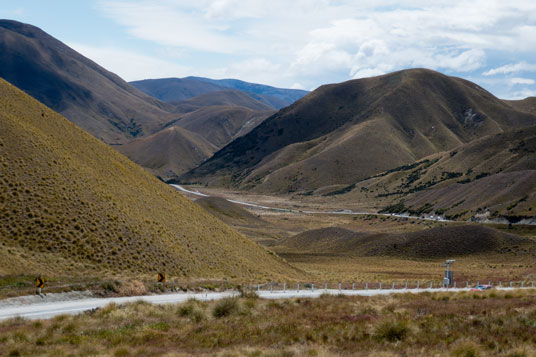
point(40, 283)
point(161, 277)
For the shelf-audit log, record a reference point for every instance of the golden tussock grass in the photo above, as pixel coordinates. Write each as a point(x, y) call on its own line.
point(441, 324)
point(70, 204)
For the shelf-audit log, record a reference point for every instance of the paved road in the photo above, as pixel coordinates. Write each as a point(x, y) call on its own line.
point(341, 211)
point(47, 310)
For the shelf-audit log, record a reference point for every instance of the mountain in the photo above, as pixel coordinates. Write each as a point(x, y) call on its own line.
point(71, 205)
point(93, 98)
point(179, 89)
point(492, 177)
point(343, 133)
point(229, 98)
point(205, 124)
point(114, 111)
point(526, 105)
point(276, 97)
point(175, 89)
point(440, 242)
point(169, 152)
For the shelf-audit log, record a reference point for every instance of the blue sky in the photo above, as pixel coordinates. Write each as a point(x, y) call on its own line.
point(299, 43)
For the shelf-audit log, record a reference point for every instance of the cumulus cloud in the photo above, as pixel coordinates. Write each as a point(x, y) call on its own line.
point(314, 41)
point(512, 68)
point(517, 80)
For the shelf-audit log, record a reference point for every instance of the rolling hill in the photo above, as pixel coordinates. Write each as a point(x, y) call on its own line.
point(169, 152)
point(93, 98)
point(441, 242)
point(527, 105)
point(205, 124)
point(343, 133)
point(179, 89)
point(69, 204)
point(489, 178)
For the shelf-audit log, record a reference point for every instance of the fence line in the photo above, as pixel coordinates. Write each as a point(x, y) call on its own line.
point(392, 285)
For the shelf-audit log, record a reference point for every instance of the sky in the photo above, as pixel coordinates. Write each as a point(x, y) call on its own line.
point(299, 43)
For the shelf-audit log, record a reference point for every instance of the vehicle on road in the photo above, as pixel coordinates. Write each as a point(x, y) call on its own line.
point(481, 287)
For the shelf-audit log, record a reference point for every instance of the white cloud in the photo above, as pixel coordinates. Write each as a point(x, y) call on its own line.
point(313, 41)
point(517, 80)
point(130, 65)
point(512, 68)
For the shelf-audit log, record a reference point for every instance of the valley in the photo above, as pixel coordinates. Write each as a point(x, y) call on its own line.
point(196, 216)
point(274, 221)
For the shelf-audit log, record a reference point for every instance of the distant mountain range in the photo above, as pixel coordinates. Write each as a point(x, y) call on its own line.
point(93, 98)
point(179, 89)
point(410, 141)
point(71, 205)
point(117, 113)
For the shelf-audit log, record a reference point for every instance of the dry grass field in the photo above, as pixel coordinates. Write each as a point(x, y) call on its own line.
point(493, 323)
point(273, 227)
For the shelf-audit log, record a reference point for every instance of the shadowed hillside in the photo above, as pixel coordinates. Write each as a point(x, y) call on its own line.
point(69, 204)
point(205, 124)
point(442, 242)
point(344, 133)
point(96, 100)
point(527, 105)
point(169, 152)
point(491, 177)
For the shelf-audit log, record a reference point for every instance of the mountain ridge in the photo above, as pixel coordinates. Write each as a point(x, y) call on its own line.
point(345, 132)
point(178, 89)
point(95, 99)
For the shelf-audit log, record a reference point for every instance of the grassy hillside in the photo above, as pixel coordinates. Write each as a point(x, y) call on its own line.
point(527, 105)
point(346, 132)
point(169, 152)
point(69, 204)
point(440, 242)
point(93, 98)
point(491, 177)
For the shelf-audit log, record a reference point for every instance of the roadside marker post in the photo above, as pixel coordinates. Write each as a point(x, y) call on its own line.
point(467, 284)
point(500, 284)
point(298, 287)
point(454, 284)
point(258, 287)
point(380, 285)
point(353, 286)
point(161, 278)
point(418, 283)
point(340, 286)
point(366, 285)
point(284, 287)
point(522, 284)
point(431, 285)
point(312, 287)
point(326, 286)
point(40, 284)
point(271, 288)
point(510, 284)
point(406, 285)
point(489, 283)
point(393, 286)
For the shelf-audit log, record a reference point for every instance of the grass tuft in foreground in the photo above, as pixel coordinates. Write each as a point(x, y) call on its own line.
point(440, 324)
